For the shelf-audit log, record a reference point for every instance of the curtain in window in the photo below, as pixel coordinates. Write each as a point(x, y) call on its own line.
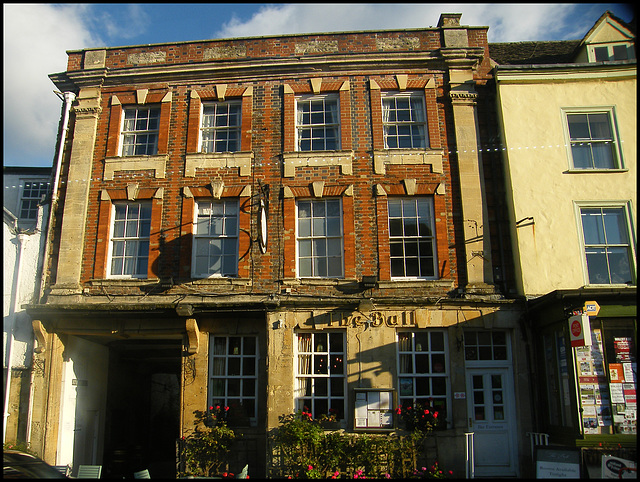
point(331, 112)
point(386, 108)
point(417, 110)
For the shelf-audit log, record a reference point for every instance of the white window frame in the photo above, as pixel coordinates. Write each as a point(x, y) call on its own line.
point(216, 130)
point(334, 98)
point(626, 209)
point(487, 362)
point(417, 238)
point(33, 201)
point(133, 239)
point(139, 132)
point(227, 236)
point(312, 238)
point(245, 361)
point(414, 122)
point(306, 357)
point(616, 150)
point(415, 350)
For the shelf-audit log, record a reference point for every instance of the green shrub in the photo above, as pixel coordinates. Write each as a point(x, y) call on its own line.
point(308, 451)
point(205, 450)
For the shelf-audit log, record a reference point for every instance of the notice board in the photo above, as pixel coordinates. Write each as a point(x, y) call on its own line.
point(557, 462)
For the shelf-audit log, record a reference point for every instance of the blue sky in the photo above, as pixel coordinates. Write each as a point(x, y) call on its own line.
point(37, 36)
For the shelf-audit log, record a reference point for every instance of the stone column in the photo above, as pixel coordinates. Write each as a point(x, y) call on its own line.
point(461, 61)
point(78, 181)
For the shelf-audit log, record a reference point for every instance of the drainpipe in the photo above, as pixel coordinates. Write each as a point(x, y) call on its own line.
point(68, 98)
point(20, 237)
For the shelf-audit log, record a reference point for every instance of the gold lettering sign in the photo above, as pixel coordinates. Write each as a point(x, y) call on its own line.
point(392, 319)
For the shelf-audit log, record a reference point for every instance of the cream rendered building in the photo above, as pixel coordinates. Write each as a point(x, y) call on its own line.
point(546, 186)
point(568, 115)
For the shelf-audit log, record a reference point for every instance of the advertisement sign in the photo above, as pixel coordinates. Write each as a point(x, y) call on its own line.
point(580, 330)
point(611, 467)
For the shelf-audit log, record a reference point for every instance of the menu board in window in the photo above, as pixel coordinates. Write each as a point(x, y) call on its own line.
point(374, 409)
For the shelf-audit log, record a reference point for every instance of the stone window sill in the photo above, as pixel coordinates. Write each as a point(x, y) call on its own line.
point(292, 160)
point(386, 157)
point(217, 160)
point(156, 163)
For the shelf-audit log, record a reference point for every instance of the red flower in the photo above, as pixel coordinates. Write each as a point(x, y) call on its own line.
point(426, 412)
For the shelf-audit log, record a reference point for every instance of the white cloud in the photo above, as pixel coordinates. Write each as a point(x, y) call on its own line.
point(507, 22)
point(36, 38)
point(121, 22)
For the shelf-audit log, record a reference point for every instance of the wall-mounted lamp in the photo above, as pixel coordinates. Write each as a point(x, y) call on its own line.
point(366, 306)
point(368, 282)
point(184, 310)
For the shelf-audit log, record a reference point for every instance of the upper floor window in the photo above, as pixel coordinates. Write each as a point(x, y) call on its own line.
point(404, 121)
point(32, 194)
point(140, 127)
point(318, 123)
point(593, 140)
point(617, 51)
point(607, 247)
point(215, 242)
point(130, 240)
point(412, 242)
point(220, 129)
point(319, 238)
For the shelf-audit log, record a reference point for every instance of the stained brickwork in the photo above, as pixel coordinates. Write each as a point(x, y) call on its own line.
point(268, 132)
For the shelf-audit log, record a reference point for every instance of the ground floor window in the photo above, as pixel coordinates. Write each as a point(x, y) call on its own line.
point(607, 378)
point(321, 374)
point(422, 370)
point(233, 380)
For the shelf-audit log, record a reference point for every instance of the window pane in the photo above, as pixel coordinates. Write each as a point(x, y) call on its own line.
point(603, 155)
point(602, 54)
point(600, 128)
point(578, 126)
point(620, 52)
point(620, 266)
point(592, 226)
point(597, 266)
point(615, 226)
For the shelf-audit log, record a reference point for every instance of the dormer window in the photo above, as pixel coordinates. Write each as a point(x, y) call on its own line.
point(611, 52)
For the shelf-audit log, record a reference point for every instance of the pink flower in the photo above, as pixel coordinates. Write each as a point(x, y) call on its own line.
point(398, 411)
point(309, 467)
point(435, 414)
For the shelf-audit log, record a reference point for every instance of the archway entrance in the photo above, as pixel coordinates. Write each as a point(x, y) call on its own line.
point(143, 407)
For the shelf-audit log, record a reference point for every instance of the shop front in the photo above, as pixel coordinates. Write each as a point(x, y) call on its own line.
point(586, 372)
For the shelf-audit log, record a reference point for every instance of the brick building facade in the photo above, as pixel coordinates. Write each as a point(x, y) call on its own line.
point(234, 212)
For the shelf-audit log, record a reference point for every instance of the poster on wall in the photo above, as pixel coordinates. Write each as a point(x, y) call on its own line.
point(622, 347)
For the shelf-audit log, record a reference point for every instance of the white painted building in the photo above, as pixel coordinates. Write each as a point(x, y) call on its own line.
point(24, 234)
